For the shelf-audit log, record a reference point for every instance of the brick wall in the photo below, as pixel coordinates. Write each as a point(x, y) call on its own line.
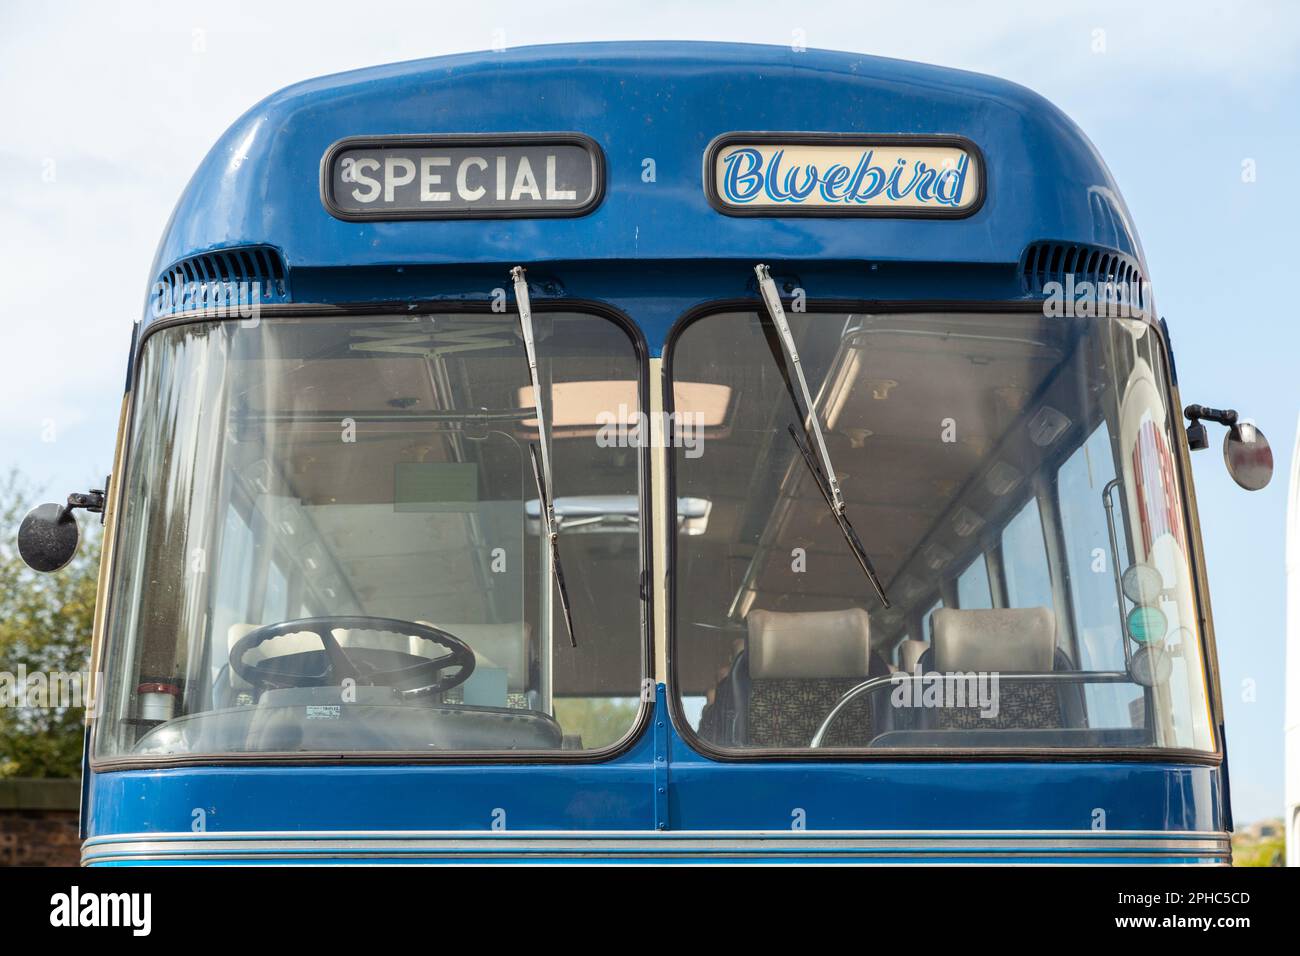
point(38, 822)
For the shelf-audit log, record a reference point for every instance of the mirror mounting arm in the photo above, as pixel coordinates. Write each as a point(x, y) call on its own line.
point(1197, 437)
point(92, 501)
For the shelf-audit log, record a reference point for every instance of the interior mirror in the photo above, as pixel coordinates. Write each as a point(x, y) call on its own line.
point(1248, 456)
point(47, 537)
point(1150, 666)
point(1142, 584)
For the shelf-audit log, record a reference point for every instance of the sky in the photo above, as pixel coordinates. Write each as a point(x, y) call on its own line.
point(107, 108)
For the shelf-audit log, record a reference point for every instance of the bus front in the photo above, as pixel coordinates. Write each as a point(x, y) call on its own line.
point(655, 489)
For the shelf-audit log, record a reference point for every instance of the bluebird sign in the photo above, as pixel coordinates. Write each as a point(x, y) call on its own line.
point(784, 174)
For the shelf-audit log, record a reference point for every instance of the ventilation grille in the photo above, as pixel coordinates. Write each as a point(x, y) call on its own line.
point(221, 281)
point(1106, 269)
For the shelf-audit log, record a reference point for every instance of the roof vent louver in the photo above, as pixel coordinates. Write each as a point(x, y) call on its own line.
point(221, 281)
point(1109, 272)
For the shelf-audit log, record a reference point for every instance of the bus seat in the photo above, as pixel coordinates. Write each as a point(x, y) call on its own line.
point(724, 720)
point(1003, 641)
point(799, 666)
point(909, 654)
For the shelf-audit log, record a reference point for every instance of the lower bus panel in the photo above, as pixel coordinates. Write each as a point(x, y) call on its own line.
point(951, 847)
point(641, 808)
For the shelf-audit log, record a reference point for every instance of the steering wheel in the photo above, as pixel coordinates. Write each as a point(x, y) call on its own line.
point(339, 665)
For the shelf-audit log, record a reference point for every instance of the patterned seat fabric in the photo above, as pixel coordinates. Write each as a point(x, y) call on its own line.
point(1022, 705)
point(788, 712)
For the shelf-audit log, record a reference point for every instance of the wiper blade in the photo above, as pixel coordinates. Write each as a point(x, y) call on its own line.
point(539, 451)
point(842, 519)
point(823, 472)
point(550, 529)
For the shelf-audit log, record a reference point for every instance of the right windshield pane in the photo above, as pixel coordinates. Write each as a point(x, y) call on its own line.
point(1012, 478)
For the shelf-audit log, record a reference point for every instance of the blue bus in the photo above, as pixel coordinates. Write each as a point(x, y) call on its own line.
point(653, 452)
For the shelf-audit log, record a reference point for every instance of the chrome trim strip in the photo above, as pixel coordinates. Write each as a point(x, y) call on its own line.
point(642, 845)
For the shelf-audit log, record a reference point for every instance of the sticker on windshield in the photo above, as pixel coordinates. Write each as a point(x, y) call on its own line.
point(792, 174)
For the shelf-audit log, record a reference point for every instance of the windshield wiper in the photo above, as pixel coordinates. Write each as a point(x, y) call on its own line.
point(539, 452)
point(823, 473)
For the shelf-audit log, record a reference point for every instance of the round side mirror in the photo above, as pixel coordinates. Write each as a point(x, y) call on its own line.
point(47, 538)
point(1248, 456)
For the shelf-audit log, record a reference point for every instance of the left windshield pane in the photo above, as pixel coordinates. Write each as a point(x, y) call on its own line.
point(329, 540)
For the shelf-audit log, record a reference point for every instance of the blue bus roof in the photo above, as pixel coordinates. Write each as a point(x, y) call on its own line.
point(665, 101)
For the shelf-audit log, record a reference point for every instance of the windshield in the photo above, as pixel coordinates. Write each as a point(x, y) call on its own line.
point(329, 540)
point(1012, 479)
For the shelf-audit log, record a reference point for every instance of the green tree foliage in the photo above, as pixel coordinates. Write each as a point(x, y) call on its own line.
point(45, 627)
point(598, 721)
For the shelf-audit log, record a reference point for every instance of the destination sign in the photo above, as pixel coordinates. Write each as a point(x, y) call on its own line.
point(462, 176)
point(775, 174)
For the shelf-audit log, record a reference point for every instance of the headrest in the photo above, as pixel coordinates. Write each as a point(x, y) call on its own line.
point(809, 644)
point(909, 654)
point(1002, 639)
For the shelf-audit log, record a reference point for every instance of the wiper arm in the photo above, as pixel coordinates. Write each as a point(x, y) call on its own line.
point(550, 528)
point(823, 473)
point(842, 519)
point(539, 452)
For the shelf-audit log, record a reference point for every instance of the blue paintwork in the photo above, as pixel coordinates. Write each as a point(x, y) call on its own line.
point(619, 795)
point(624, 794)
point(660, 101)
point(655, 250)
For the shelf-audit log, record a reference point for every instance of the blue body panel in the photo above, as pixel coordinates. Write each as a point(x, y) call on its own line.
point(655, 250)
point(891, 811)
point(619, 795)
point(658, 101)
